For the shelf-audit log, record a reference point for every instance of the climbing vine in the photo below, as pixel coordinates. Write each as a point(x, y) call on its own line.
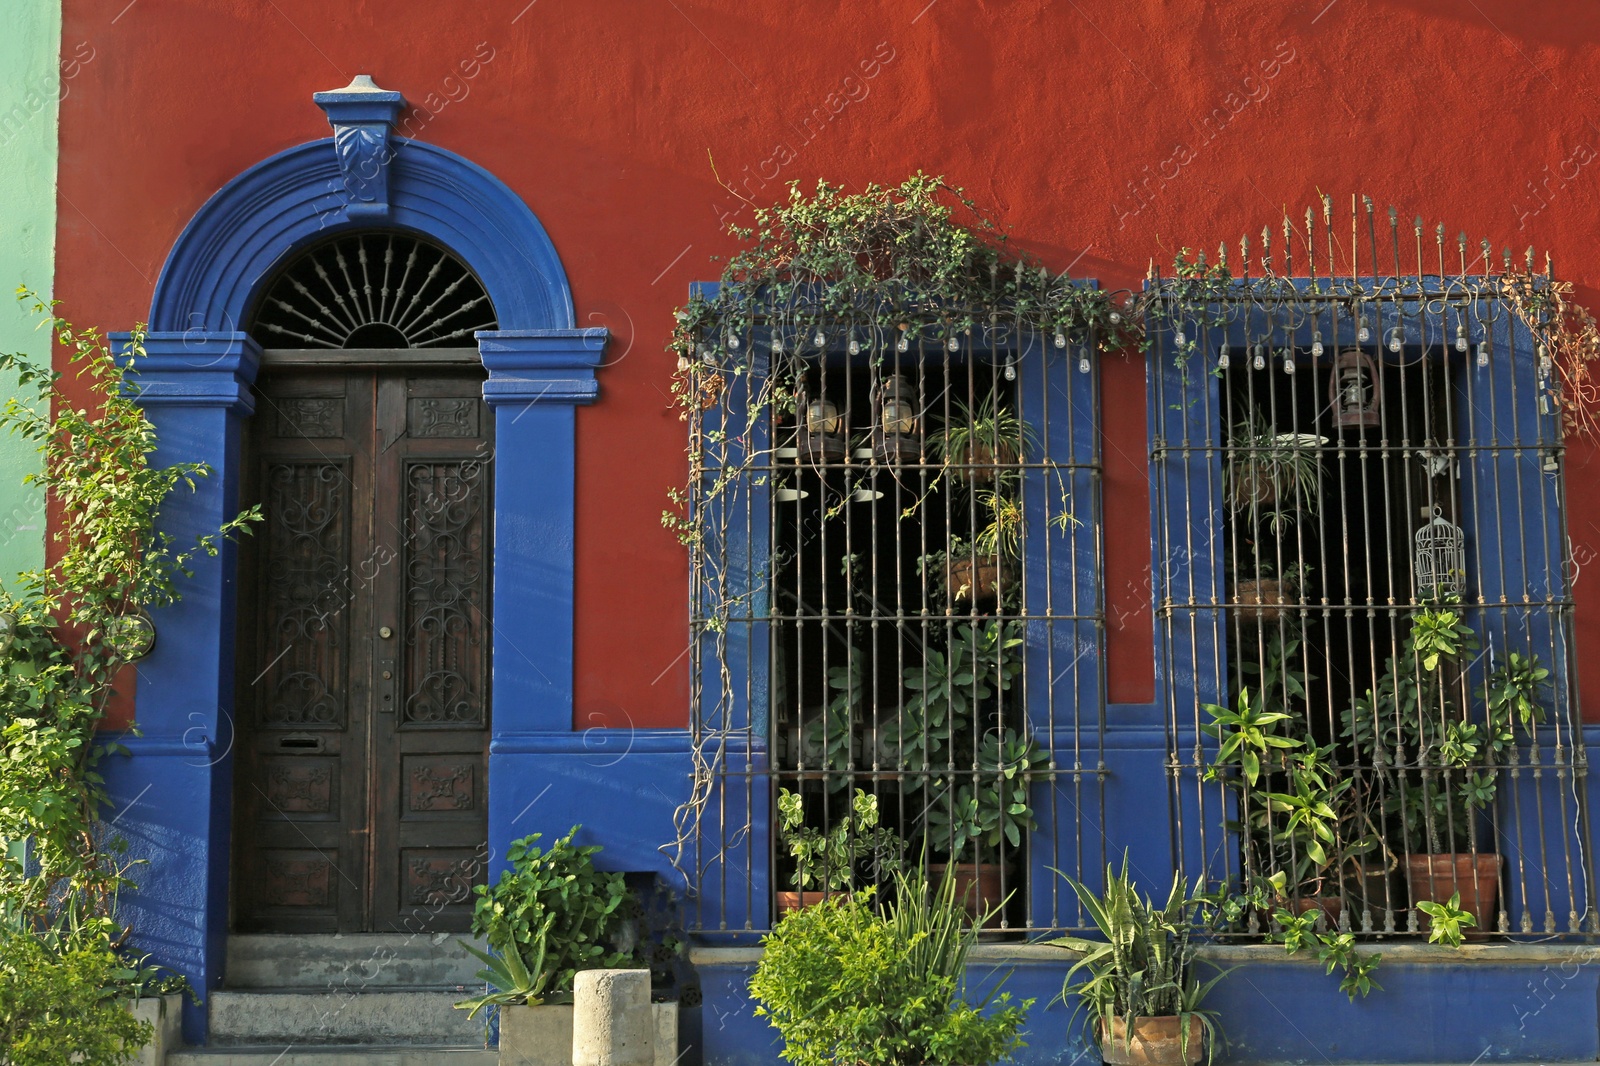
point(912, 268)
point(69, 628)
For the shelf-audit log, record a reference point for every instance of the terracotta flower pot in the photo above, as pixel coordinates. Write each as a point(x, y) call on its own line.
point(1155, 1042)
point(1254, 487)
point(1261, 599)
point(980, 456)
point(790, 901)
point(1435, 878)
point(974, 579)
point(977, 883)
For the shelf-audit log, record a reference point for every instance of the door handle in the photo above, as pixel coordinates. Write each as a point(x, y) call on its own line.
point(388, 689)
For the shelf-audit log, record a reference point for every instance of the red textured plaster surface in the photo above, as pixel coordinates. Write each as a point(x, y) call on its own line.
point(1089, 128)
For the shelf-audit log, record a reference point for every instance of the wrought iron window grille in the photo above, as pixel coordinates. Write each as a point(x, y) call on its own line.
point(896, 611)
point(1363, 608)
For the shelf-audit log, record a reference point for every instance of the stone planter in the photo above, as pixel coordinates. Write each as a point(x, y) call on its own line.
point(165, 1014)
point(542, 1036)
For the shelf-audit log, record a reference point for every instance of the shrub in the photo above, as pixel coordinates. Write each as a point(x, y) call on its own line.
point(844, 983)
point(555, 912)
point(61, 1006)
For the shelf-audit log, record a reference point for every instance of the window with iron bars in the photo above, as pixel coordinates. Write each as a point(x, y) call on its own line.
point(1364, 614)
point(897, 612)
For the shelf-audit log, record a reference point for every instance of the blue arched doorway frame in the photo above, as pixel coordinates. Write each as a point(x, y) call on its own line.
point(173, 793)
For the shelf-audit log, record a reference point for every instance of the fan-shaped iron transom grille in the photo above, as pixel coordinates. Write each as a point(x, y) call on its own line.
point(373, 290)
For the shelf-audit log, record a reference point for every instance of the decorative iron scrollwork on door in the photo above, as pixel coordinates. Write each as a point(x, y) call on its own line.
point(445, 621)
point(306, 591)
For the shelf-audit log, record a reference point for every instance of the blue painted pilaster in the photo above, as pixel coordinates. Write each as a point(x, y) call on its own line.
point(172, 799)
point(537, 377)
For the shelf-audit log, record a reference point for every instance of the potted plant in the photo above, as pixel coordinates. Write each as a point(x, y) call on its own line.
point(1267, 467)
point(980, 450)
point(853, 980)
point(983, 445)
point(1142, 993)
point(1297, 819)
point(827, 859)
point(550, 915)
point(974, 815)
point(1447, 773)
point(1263, 596)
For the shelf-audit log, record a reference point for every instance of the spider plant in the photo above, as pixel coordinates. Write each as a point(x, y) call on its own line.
point(1267, 467)
point(1146, 967)
point(974, 441)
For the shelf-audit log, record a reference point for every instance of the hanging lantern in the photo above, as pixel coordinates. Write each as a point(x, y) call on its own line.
point(821, 436)
point(1355, 390)
point(896, 429)
point(1440, 563)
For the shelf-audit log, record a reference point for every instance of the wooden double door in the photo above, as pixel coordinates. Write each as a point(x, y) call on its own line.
point(363, 686)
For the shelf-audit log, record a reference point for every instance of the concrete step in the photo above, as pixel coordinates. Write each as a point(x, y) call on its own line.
point(350, 962)
point(348, 1056)
point(298, 1018)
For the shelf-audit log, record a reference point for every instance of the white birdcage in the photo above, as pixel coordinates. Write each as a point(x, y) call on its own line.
point(1440, 561)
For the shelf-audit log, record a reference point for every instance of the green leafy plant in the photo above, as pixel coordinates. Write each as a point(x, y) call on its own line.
point(60, 869)
point(511, 978)
point(1271, 473)
point(983, 446)
point(828, 740)
point(59, 1007)
point(846, 982)
point(555, 912)
point(1147, 966)
point(1445, 772)
point(1448, 920)
point(829, 858)
point(972, 814)
point(1514, 690)
point(946, 690)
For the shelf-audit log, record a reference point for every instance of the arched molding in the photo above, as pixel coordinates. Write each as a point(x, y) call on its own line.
point(258, 220)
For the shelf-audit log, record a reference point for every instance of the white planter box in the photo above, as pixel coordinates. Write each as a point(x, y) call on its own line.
point(165, 1013)
point(542, 1036)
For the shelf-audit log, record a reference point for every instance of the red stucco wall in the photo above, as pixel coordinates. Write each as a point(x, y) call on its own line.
point(1103, 133)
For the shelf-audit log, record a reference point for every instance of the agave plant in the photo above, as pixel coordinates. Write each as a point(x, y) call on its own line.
point(510, 977)
point(1147, 966)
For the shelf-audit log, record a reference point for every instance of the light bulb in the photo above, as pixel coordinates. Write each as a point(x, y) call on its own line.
point(777, 344)
point(1288, 362)
point(1115, 317)
point(1083, 361)
point(733, 342)
point(1461, 338)
point(1363, 334)
point(854, 347)
point(1222, 357)
point(903, 344)
point(1011, 372)
point(1259, 362)
point(1316, 344)
point(1179, 339)
point(1483, 352)
point(1061, 339)
point(683, 362)
point(953, 344)
point(820, 340)
point(1396, 339)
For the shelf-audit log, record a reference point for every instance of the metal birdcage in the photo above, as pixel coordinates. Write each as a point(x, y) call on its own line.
point(1439, 562)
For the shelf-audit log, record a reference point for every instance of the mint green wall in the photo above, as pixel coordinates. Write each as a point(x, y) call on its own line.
point(30, 94)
